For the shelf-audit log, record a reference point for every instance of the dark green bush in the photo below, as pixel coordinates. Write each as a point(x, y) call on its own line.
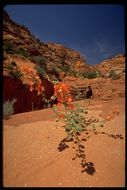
point(7, 46)
point(22, 52)
point(14, 71)
point(16, 74)
point(40, 71)
point(65, 68)
point(40, 60)
point(91, 74)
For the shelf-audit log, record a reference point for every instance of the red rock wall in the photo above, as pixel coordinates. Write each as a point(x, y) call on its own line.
point(13, 88)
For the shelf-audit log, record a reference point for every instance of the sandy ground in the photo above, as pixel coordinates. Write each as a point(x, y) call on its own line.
point(31, 156)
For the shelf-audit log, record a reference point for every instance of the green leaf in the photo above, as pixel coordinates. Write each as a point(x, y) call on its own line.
point(55, 107)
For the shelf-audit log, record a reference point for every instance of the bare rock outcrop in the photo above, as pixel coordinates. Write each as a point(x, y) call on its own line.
point(114, 65)
point(78, 88)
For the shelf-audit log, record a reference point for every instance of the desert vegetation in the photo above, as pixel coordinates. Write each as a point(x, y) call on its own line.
point(57, 133)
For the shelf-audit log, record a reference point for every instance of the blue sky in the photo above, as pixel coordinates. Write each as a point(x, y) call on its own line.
point(96, 31)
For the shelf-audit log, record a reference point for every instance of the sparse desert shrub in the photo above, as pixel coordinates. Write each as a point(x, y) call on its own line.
point(22, 52)
point(13, 70)
point(65, 68)
point(7, 46)
point(73, 73)
point(16, 74)
point(10, 66)
point(40, 60)
point(40, 71)
point(113, 75)
point(8, 108)
point(91, 74)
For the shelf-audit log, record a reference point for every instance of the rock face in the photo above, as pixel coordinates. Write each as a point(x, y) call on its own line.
point(26, 100)
point(102, 88)
point(115, 64)
point(78, 88)
point(107, 89)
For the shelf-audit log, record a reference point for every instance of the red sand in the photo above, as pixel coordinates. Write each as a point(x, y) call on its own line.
point(31, 157)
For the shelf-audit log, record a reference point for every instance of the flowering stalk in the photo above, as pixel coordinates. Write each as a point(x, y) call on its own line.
point(32, 79)
point(72, 118)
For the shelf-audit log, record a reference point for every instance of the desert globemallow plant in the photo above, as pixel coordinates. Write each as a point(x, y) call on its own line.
point(72, 114)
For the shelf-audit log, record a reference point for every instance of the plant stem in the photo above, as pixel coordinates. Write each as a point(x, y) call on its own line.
point(56, 112)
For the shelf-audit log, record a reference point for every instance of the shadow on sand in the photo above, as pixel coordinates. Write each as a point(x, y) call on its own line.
point(79, 147)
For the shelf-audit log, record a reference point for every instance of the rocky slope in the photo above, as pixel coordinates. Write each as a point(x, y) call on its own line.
point(23, 51)
point(48, 62)
point(53, 58)
point(114, 65)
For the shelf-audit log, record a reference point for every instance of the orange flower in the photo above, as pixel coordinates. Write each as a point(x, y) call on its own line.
point(71, 106)
point(62, 116)
point(64, 87)
point(61, 91)
point(109, 117)
point(56, 89)
point(69, 99)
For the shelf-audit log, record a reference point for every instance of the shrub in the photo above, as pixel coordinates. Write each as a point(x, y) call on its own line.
point(92, 74)
point(22, 52)
point(16, 74)
point(40, 60)
point(7, 46)
point(65, 68)
point(40, 71)
point(8, 108)
point(10, 66)
point(13, 70)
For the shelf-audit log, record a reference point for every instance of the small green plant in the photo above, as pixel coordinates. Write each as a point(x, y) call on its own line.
point(40, 70)
point(8, 108)
point(80, 95)
point(74, 121)
point(91, 74)
point(16, 74)
point(10, 66)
